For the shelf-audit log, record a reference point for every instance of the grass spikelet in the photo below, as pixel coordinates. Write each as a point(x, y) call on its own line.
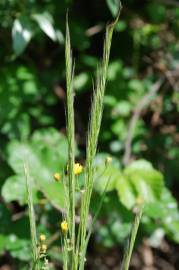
point(93, 132)
point(71, 141)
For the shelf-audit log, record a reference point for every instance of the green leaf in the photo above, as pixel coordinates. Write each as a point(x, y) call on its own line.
point(21, 35)
point(125, 192)
point(166, 212)
point(147, 182)
point(109, 175)
point(46, 153)
point(14, 189)
point(139, 179)
point(171, 218)
point(19, 248)
point(114, 6)
point(45, 22)
point(81, 81)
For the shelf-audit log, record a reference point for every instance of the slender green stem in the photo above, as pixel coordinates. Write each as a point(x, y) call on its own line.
point(31, 218)
point(81, 266)
point(130, 246)
point(71, 140)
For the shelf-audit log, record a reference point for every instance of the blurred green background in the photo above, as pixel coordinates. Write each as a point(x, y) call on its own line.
point(140, 127)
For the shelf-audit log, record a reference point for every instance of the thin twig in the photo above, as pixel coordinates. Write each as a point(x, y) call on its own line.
point(144, 102)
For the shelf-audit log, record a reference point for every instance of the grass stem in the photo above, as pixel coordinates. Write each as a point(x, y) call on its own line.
point(31, 218)
point(130, 245)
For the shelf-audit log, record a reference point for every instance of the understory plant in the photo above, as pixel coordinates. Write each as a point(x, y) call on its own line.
point(77, 224)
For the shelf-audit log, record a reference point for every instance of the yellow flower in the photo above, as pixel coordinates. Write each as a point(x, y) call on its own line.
point(43, 248)
point(42, 237)
point(57, 177)
point(64, 226)
point(78, 168)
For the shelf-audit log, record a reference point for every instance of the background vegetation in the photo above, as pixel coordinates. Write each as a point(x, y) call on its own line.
point(140, 123)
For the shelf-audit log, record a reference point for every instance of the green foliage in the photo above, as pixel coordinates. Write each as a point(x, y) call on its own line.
point(21, 35)
point(46, 153)
point(138, 180)
point(32, 126)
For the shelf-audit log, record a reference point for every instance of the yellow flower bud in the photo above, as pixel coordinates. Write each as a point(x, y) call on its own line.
point(43, 248)
point(78, 168)
point(42, 237)
point(57, 177)
point(64, 226)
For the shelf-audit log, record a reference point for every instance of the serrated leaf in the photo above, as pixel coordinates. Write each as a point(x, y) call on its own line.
point(45, 22)
point(21, 35)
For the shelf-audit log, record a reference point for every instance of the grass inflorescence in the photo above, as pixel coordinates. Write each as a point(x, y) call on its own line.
point(78, 236)
point(75, 236)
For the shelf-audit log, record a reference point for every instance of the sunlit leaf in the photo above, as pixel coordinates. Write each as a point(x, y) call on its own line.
point(21, 35)
point(45, 22)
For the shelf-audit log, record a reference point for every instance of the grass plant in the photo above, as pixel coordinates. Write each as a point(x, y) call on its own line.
point(75, 237)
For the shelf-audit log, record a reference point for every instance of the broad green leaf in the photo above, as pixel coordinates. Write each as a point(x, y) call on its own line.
point(125, 192)
point(45, 154)
point(106, 176)
point(51, 147)
point(14, 189)
point(21, 35)
point(19, 248)
point(147, 182)
point(45, 22)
